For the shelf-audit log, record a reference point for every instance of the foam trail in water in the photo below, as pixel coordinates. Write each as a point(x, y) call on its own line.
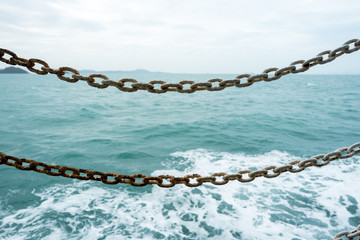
point(314, 204)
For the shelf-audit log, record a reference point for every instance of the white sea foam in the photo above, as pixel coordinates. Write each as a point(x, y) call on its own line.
point(314, 204)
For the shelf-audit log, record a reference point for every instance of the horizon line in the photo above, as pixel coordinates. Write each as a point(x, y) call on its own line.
point(140, 70)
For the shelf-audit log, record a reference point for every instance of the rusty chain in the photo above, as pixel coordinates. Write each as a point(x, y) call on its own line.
point(167, 181)
point(192, 180)
point(132, 85)
point(350, 235)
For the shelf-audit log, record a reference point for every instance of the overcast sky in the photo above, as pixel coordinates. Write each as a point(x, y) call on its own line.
point(183, 36)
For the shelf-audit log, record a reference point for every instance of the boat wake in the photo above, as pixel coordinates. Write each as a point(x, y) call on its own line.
point(314, 204)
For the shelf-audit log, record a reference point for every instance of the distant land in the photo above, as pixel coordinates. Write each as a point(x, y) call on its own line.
point(119, 71)
point(12, 70)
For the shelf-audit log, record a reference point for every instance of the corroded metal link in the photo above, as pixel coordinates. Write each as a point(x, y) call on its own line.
point(172, 87)
point(312, 62)
point(142, 86)
point(228, 83)
point(62, 71)
point(285, 71)
point(91, 81)
point(7, 60)
point(172, 181)
point(153, 90)
point(212, 81)
point(31, 64)
point(80, 77)
point(350, 235)
point(222, 181)
point(182, 83)
point(50, 70)
point(356, 44)
point(121, 85)
point(329, 59)
point(284, 168)
point(274, 77)
point(257, 78)
point(239, 77)
point(339, 51)
point(19, 61)
point(271, 175)
point(200, 86)
point(191, 180)
point(303, 66)
point(322, 58)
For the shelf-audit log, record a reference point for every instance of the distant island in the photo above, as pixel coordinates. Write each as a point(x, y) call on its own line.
point(12, 70)
point(88, 71)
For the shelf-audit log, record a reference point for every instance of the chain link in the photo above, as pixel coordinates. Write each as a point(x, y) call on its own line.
point(350, 235)
point(166, 181)
point(243, 80)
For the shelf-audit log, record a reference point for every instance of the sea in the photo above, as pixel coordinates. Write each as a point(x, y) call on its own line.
point(73, 124)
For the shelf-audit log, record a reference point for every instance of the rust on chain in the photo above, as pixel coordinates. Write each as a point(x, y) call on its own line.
point(243, 80)
point(351, 235)
point(167, 181)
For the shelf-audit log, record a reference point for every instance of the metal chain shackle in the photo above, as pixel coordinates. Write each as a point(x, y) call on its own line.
point(240, 81)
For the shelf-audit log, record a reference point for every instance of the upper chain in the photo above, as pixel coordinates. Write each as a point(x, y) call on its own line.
point(167, 181)
point(217, 84)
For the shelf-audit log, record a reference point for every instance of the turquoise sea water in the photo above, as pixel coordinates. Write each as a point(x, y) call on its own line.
point(45, 119)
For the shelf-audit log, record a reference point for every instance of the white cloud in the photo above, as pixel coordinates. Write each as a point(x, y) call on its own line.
point(179, 36)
